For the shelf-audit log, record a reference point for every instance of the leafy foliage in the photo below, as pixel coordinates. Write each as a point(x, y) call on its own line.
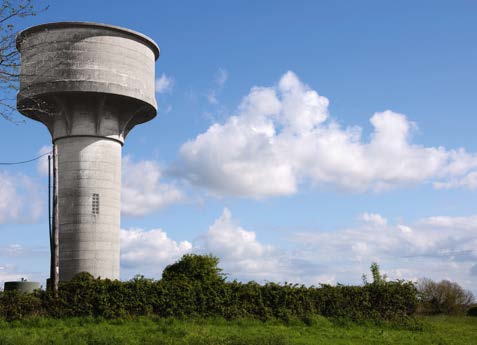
point(193, 267)
point(472, 311)
point(378, 278)
point(14, 305)
point(443, 297)
point(195, 287)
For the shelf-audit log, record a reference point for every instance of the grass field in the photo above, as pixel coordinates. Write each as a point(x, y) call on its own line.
point(149, 330)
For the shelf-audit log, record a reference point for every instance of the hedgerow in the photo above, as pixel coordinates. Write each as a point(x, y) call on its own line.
point(472, 311)
point(195, 287)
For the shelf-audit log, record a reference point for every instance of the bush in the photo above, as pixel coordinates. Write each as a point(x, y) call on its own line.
point(195, 286)
point(193, 267)
point(444, 297)
point(472, 311)
point(15, 305)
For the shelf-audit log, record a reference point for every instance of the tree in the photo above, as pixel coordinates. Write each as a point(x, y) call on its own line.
point(193, 267)
point(445, 297)
point(378, 278)
point(10, 10)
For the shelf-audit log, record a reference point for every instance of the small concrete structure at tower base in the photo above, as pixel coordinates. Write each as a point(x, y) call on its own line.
point(90, 84)
point(22, 286)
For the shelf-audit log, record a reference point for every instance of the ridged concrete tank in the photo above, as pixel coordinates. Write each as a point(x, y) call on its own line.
point(21, 286)
point(90, 84)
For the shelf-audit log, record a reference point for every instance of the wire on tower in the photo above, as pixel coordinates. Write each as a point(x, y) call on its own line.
point(28, 161)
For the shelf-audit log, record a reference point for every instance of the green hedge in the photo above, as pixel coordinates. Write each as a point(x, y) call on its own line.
point(182, 295)
point(472, 311)
point(140, 296)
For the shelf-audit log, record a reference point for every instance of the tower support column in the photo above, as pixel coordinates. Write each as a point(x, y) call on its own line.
point(89, 183)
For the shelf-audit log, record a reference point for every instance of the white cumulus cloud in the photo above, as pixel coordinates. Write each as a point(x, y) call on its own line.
point(238, 249)
point(434, 247)
point(164, 84)
point(468, 181)
point(20, 199)
point(150, 251)
point(373, 218)
point(240, 253)
point(282, 137)
point(143, 190)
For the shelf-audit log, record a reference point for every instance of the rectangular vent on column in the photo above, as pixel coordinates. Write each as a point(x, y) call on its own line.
point(95, 203)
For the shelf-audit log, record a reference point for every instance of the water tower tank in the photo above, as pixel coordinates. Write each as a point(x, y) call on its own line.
point(90, 84)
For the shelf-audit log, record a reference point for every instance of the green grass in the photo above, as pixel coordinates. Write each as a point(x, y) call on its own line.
point(150, 330)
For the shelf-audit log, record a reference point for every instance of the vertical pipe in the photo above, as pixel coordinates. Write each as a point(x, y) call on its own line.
point(55, 222)
point(52, 268)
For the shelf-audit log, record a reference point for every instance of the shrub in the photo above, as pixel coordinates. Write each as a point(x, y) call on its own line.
point(16, 305)
point(193, 267)
point(444, 297)
point(472, 311)
point(195, 286)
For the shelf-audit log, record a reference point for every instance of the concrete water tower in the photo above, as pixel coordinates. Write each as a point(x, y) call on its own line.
point(90, 84)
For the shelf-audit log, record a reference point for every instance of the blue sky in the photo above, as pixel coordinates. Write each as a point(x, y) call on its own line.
point(296, 140)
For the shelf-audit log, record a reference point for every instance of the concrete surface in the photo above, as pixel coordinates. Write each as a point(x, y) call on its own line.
point(90, 84)
point(21, 286)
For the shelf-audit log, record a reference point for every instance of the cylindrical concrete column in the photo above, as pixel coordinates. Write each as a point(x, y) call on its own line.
point(90, 84)
point(89, 183)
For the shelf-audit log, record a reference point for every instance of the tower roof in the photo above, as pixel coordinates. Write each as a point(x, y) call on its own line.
point(60, 25)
